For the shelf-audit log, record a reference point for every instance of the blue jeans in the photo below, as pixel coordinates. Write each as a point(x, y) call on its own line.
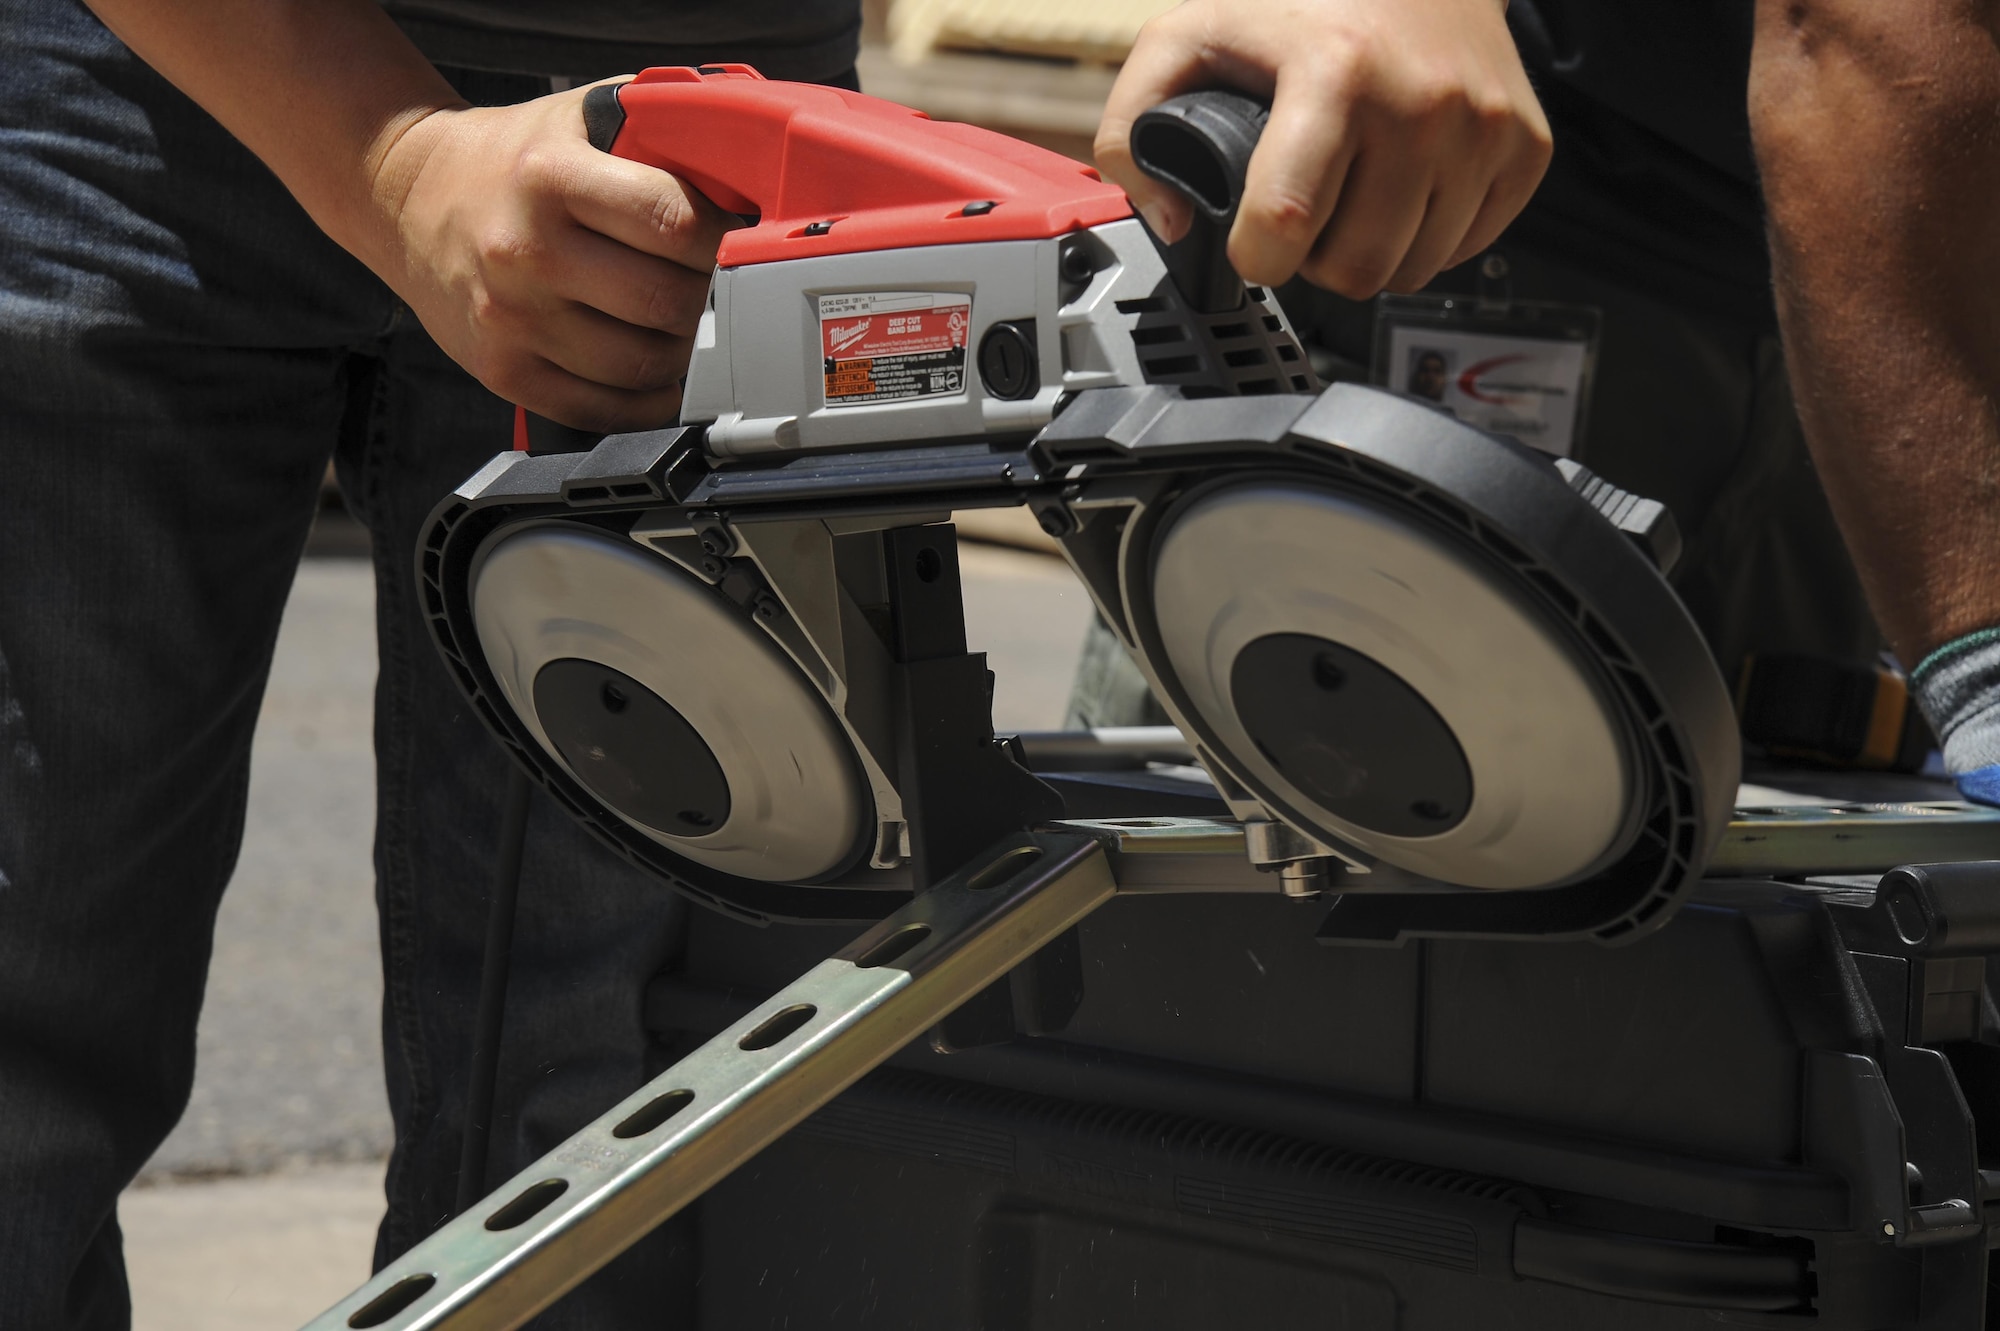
point(180, 353)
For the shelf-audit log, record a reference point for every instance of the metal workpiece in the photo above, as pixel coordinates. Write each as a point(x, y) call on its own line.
point(1105, 748)
point(1801, 840)
point(1154, 856)
point(574, 1210)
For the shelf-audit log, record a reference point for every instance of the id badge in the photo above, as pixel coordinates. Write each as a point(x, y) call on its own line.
point(1518, 367)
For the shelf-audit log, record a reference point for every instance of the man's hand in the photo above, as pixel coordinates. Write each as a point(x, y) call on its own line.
point(563, 278)
point(567, 280)
point(1403, 137)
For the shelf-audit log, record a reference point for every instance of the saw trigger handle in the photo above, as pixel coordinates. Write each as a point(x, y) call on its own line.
point(603, 116)
point(1200, 143)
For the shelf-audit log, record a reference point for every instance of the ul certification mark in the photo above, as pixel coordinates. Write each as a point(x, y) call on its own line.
point(893, 346)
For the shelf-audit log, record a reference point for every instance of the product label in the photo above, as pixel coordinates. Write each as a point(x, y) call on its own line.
point(893, 346)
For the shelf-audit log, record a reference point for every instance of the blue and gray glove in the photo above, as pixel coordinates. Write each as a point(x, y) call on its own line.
point(1958, 687)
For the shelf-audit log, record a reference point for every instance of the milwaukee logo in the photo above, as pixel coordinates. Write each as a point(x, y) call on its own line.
point(839, 339)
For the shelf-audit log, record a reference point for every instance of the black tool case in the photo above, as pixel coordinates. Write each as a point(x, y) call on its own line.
point(1766, 1114)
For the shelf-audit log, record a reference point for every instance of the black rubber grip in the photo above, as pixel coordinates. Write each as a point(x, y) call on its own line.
point(603, 116)
point(1200, 143)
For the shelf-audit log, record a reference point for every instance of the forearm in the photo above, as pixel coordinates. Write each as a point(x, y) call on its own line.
point(319, 90)
point(1877, 130)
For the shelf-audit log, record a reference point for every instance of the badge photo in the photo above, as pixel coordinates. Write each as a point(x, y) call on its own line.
point(1515, 367)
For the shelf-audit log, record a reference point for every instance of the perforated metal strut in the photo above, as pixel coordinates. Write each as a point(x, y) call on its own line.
point(613, 1182)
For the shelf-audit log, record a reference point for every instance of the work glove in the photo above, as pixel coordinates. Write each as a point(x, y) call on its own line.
point(1958, 687)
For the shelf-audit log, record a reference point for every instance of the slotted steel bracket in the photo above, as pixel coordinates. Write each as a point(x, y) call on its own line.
point(663, 1146)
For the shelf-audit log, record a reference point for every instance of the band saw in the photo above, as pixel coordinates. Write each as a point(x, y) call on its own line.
point(1432, 685)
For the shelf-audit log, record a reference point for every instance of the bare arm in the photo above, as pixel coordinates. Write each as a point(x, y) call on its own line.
point(564, 279)
point(1877, 129)
point(1403, 137)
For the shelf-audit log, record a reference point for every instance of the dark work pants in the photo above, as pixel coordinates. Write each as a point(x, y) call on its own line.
point(180, 353)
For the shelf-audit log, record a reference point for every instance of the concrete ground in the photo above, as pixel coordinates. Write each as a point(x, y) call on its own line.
point(259, 1210)
point(259, 1253)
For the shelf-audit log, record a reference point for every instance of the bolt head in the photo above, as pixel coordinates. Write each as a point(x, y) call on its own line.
point(1075, 264)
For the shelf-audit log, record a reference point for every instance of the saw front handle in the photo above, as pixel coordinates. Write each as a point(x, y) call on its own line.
point(1200, 143)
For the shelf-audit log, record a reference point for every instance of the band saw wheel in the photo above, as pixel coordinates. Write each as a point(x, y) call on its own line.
point(657, 696)
point(1386, 686)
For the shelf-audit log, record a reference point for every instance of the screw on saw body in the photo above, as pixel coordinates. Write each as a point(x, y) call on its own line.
point(715, 539)
point(1078, 260)
point(1075, 262)
point(1054, 521)
point(767, 608)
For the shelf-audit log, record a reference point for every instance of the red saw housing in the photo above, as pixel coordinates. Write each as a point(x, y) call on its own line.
point(826, 171)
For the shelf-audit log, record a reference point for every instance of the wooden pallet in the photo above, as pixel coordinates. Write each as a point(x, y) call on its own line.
point(1092, 31)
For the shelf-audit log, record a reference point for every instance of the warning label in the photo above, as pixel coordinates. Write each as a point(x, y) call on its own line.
point(892, 346)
